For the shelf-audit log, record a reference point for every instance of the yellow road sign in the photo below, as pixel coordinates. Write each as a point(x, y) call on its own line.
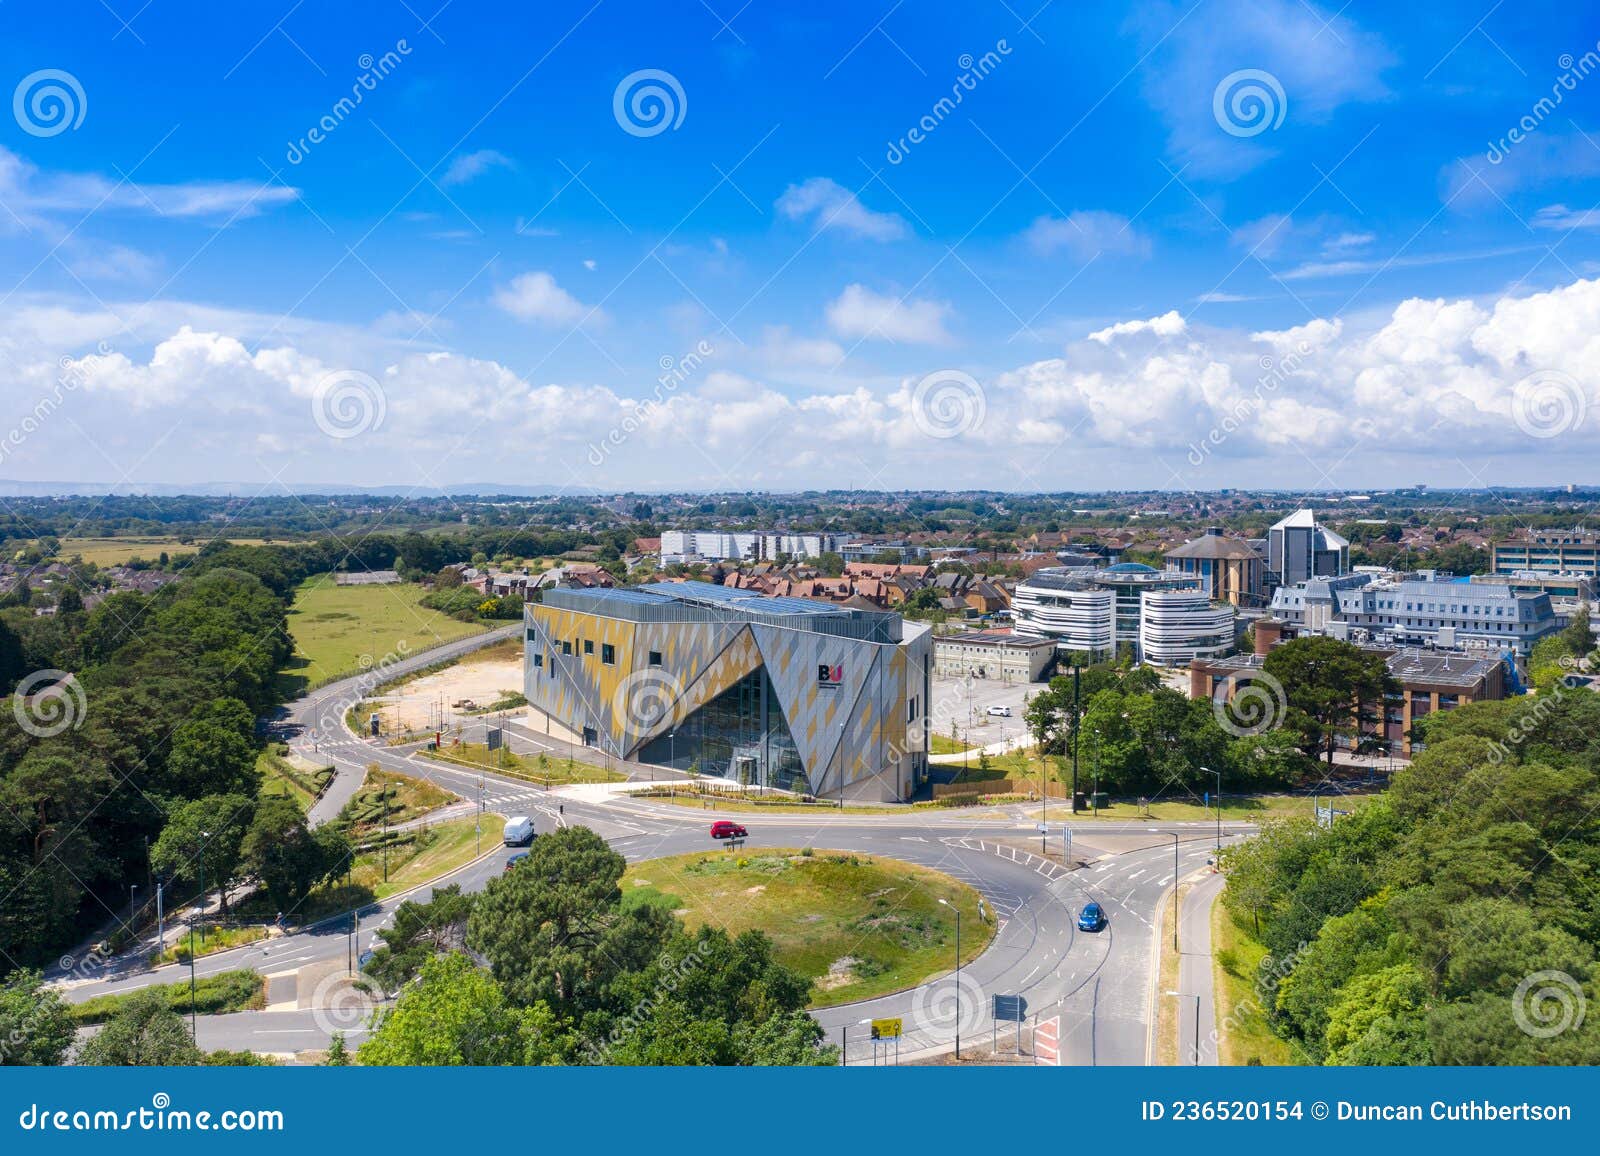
point(886, 1029)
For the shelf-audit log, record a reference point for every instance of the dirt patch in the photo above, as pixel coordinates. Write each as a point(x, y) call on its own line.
point(840, 973)
point(416, 705)
point(641, 882)
point(756, 890)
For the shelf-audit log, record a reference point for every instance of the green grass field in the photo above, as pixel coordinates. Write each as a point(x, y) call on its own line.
point(549, 773)
point(343, 630)
point(857, 926)
point(115, 551)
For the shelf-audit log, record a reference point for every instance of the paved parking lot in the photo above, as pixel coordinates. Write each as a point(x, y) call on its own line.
point(950, 704)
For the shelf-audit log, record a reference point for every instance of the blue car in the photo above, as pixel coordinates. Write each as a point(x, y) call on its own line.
point(1091, 918)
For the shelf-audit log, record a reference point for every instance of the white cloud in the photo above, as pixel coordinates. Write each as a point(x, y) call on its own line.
point(1169, 324)
point(1086, 233)
point(33, 192)
point(1563, 219)
point(1322, 59)
point(782, 348)
point(467, 166)
point(537, 297)
point(860, 313)
point(832, 206)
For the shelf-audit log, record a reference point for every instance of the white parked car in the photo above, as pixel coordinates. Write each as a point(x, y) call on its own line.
point(999, 711)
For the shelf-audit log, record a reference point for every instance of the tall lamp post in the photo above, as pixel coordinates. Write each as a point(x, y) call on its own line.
point(1218, 804)
point(1174, 835)
point(957, 910)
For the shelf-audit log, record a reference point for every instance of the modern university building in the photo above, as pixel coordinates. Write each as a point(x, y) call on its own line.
point(774, 692)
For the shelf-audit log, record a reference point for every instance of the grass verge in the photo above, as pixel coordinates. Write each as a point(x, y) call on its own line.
point(542, 769)
point(228, 991)
point(207, 941)
point(389, 798)
point(857, 926)
point(1244, 1036)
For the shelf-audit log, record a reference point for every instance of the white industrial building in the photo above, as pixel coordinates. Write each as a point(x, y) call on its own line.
point(743, 545)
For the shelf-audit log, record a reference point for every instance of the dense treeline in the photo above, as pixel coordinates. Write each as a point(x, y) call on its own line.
point(1452, 921)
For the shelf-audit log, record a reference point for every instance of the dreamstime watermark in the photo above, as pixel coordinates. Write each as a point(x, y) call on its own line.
point(347, 403)
point(671, 974)
point(1248, 102)
point(160, 1116)
point(1573, 72)
point(1275, 371)
point(373, 70)
point(49, 102)
point(48, 703)
point(649, 102)
point(74, 373)
point(1249, 703)
point(1548, 403)
point(972, 71)
point(674, 372)
point(646, 698)
point(948, 403)
point(1548, 1003)
point(375, 672)
point(341, 1003)
point(948, 1007)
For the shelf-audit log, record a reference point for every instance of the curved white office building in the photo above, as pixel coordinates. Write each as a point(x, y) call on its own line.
point(1164, 616)
point(1178, 626)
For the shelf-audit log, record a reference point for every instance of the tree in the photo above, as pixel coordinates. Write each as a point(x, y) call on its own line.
point(1330, 687)
point(553, 929)
point(455, 1015)
point(289, 858)
point(210, 756)
point(36, 1027)
point(145, 1032)
point(420, 931)
point(338, 1055)
point(829, 564)
point(204, 838)
point(1579, 635)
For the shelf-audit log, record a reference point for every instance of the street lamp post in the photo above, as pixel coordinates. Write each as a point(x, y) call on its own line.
point(1218, 803)
point(957, 910)
point(1181, 995)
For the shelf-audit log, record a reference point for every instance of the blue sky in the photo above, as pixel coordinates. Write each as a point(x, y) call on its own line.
point(1091, 270)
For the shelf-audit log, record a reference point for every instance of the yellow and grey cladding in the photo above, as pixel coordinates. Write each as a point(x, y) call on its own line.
point(632, 665)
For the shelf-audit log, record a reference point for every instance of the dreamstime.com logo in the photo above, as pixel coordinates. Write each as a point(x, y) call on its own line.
point(942, 1008)
point(48, 703)
point(649, 102)
point(347, 403)
point(1548, 403)
point(948, 403)
point(49, 102)
point(1548, 1003)
point(1249, 703)
point(160, 1116)
point(1248, 102)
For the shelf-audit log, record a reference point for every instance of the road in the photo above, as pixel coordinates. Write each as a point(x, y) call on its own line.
point(1099, 983)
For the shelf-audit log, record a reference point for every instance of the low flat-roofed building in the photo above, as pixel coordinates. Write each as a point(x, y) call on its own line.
point(1427, 680)
point(994, 654)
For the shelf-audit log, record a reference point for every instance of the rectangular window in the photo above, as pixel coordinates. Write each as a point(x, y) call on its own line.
point(530, 634)
point(608, 654)
point(588, 646)
point(538, 660)
point(655, 658)
point(566, 648)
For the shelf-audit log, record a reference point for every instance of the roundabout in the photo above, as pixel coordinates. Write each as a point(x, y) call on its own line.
point(1100, 984)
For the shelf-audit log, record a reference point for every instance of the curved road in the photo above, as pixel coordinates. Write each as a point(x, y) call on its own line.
point(1099, 983)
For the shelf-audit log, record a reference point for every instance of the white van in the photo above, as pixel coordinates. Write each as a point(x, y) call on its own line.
point(519, 831)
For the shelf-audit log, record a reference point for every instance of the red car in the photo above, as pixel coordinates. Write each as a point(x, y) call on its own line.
point(723, 829)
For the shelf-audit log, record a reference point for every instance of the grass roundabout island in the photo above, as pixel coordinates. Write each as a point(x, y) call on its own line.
point(858, 926)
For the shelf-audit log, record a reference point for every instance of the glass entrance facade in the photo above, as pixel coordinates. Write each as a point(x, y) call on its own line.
point(741, 735)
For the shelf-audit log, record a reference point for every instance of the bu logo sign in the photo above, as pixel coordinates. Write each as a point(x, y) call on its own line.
point(829, 676)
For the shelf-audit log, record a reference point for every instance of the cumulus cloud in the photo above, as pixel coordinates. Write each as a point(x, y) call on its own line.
point(1169, 324)
point(1434, 378)
point(536, 297)
point(860, 313)
point(1086, 233)
point(832, 206)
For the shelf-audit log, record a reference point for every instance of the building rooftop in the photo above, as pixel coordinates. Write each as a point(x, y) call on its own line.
point(1215, 544)
point(704, 602)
